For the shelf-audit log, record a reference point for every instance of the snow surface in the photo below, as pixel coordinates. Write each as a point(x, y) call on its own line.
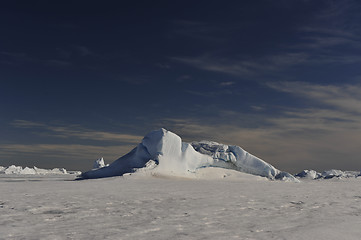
point(20, 170)
point(227, 205)
point(173, 157)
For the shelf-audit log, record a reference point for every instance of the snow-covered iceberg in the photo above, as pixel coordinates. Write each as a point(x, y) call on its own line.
point(165, 152)
point(34, 170)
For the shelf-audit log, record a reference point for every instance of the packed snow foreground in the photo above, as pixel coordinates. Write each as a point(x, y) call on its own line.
point(163, 153)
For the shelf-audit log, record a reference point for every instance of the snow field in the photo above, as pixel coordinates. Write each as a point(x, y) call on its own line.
point(143, 207)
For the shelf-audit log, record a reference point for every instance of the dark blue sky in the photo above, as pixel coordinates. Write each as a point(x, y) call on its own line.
point(84, 79)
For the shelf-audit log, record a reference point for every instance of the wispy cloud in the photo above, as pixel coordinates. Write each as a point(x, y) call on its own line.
point(202, 31)
point(227, 83)
point(327, 38)
point(14, 54)
point(62, 57)
point(23, 58)
point(56, 62)
point(84, 51)
point(184, 78)
point(62, 150)
point(313, 51)
point(327, 31)
point(17, 57)
point(326, 42)
point(134, 80)
point(74, 131)
point(210, 64)
point(163, 65)
point(211, 93)
point(243, 67)
point(338, 9)
point(344, 98)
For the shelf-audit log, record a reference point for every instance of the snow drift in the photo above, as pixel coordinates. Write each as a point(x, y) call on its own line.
point(164, 153)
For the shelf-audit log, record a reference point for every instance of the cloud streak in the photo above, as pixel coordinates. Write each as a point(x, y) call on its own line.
point(74, 131)
point(326, 38)
point(63, 150)
point(344, 98)
point(244, 68)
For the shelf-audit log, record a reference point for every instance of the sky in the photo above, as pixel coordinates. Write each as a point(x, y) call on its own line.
point(81, 80)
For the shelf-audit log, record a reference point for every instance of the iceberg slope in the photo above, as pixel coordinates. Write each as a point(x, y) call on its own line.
point(174, 157)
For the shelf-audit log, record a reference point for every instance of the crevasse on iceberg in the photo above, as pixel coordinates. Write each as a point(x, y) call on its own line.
point(174, 157)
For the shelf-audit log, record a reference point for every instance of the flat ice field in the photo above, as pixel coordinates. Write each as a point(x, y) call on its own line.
point(228, 205)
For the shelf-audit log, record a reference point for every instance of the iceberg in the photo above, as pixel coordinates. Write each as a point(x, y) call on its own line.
point(167, 154)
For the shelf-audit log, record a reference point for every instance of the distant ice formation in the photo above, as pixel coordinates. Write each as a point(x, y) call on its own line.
point(309, 174)
point(20, 170)
point(338, 174)
point(165, 152)
point(328, 174)
point(99, 163)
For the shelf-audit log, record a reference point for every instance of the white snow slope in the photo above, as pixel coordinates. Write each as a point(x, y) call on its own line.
point(176, 158)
